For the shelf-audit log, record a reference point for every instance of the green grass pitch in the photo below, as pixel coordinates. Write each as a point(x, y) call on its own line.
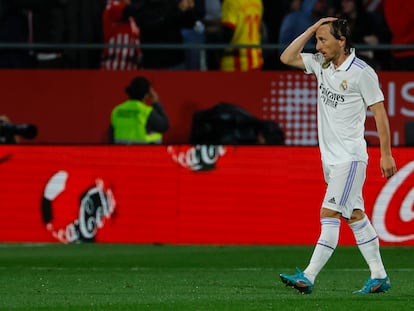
point(187, 277)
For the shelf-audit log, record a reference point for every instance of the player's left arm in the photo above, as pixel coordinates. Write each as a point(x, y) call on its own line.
point(387, 162)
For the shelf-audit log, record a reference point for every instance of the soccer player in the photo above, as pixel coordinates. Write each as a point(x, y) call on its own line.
point(241, 21)
point(347, 86)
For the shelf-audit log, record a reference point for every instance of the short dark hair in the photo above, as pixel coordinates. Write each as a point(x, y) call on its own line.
point(138, 88)
point(340, 28)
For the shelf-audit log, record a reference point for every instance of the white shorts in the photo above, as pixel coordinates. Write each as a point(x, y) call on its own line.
point(344, 187)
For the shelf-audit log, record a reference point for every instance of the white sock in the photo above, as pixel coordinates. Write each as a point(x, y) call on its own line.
point(368, 244)
point(328, 240)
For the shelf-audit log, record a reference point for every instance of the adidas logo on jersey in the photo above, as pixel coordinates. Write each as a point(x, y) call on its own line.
point(332, 200)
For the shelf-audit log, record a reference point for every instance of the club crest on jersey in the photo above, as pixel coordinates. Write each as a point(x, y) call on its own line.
point(344, 85)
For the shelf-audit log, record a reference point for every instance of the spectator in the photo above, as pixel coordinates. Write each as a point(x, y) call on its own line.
point(365, 29)
point(295, 5)
point(375, 6)
point(14, 28)
point(141, 118)
point(242, 22)
point(49, 27)
point(161, 22)
point(296, 22)
point(51, 22)
point(120, 29)
point(212, 32)
point(194, 34)
point(84, 26)
point(398, 16)
point(273, 13)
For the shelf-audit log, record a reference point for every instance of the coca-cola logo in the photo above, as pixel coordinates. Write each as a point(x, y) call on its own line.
point(393, 213)
point(198, 157)
point(96, 204)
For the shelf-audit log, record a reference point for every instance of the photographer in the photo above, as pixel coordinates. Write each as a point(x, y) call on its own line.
point(5, 136)
point(10, 132)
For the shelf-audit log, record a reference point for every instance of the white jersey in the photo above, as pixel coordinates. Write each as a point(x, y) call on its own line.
point(344, 95)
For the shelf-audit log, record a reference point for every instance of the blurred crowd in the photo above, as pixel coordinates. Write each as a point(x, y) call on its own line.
point(125, 24)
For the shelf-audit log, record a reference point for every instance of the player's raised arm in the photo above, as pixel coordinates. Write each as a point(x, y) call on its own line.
point(291, 55)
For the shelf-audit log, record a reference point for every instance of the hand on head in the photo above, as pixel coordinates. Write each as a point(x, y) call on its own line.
point(153, 96)
point(322, 21)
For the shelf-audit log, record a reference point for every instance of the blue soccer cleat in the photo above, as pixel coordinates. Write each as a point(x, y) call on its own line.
point(373, 286)
point(298, 281)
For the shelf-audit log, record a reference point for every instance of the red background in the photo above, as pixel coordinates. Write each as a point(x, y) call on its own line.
point(73, 107)
point(254, 195)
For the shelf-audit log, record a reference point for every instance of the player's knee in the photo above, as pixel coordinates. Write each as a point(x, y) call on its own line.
point(357, 215)
point(326, 212)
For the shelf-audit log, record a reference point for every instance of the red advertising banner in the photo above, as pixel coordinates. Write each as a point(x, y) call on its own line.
point(73, 107)
point(186, 195)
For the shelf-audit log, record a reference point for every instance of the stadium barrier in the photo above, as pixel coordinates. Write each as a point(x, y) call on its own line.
point(185, 194)
point(74, 106)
